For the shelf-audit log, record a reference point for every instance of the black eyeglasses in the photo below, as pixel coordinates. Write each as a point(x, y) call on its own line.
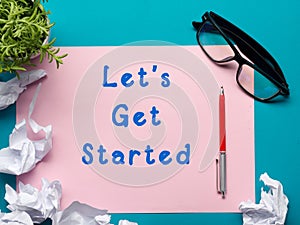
point(266, 82)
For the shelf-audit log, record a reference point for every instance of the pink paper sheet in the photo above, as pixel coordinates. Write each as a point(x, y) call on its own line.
point(142, 187)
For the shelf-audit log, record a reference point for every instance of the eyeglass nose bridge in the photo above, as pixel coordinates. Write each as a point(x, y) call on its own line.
point(238, 57)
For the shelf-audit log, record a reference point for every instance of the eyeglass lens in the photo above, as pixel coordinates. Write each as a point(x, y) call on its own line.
point(255, 83)
point(209, 35)
point(251, 80)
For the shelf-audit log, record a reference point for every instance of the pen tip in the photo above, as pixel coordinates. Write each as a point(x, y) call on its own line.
point(222, 90)
point(223, 194)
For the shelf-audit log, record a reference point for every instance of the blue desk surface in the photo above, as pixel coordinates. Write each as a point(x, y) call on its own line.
point(275, 24)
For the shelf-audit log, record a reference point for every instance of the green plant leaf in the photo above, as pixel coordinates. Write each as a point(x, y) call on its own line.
point(18, 68)
point(23, 28)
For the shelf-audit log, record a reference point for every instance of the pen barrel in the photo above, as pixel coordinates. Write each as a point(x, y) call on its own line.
point(222, 171)
point(222, 125)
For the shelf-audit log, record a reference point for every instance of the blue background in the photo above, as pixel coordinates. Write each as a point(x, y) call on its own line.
point(274, 24)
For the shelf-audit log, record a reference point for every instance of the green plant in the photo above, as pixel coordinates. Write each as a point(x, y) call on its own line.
point(24, 26)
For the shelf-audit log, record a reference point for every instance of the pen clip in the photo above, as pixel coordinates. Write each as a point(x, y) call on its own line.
point(218, 176)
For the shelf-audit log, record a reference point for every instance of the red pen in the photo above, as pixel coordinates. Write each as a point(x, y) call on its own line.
point(222, 139)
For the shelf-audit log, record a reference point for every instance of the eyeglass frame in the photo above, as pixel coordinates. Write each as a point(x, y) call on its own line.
point(272, 72)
